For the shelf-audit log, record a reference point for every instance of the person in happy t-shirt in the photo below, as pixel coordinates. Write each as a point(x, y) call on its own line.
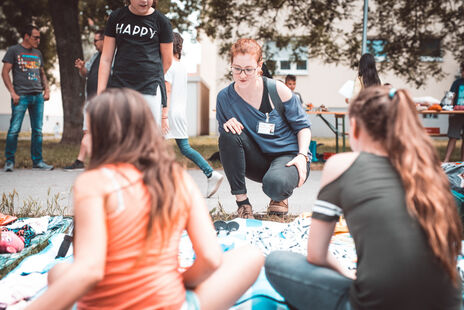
point(143, 39)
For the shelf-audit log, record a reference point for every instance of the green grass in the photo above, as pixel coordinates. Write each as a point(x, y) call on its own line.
point(30, 207)
point(61, 155)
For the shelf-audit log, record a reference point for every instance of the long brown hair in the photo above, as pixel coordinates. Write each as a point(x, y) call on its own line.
point(391, 118)
point(123, 130)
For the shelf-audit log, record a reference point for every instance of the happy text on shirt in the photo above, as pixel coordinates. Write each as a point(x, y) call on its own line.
point(134, 30)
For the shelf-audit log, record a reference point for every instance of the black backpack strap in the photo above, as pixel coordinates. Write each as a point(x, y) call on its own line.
point(278, 105)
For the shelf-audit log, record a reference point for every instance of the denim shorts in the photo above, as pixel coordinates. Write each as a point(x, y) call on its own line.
point(191, 301)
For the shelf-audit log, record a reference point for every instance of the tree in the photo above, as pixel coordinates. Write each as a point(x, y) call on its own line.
point(404, 25)
point(63, 24)
point(64, 17)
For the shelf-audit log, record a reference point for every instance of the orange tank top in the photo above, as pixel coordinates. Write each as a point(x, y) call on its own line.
point(156, 282)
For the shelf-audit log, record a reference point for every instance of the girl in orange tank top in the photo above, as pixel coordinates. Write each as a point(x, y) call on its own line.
point(131, 207)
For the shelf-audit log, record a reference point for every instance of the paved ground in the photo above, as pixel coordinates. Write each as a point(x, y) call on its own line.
point(42, 185)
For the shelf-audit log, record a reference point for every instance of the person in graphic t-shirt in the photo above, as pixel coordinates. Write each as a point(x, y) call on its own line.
point(142, 39)
point(28, 91)
point(456, 122)
point(89, 70)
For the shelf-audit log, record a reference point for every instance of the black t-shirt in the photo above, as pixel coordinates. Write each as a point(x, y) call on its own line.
point(396, 266)
point(92, 77)
point(137, 63)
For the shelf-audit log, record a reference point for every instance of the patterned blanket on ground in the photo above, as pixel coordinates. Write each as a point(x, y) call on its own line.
point(28, 280)
point(39, 232)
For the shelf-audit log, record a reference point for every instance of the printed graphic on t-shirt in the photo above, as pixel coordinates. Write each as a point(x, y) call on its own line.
point(460, 99)
point(135, 30)
point(29, 63)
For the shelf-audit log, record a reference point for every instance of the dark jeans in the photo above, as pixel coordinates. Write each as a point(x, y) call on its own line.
point(35, 105)
point(241, 157)
point(306, 286)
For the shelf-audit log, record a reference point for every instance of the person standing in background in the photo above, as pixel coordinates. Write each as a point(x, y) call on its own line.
point(88, 70)
point(28, 91)
point(175, 125)
point(141, 37)
point(456, 122)
point(290, 82)
point(367, 75)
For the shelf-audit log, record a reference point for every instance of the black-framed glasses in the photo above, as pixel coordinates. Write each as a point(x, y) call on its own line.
point(238, 70)
point(36, 37)
point(96, 40)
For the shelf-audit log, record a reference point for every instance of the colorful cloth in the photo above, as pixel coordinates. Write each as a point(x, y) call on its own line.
point(268, 236)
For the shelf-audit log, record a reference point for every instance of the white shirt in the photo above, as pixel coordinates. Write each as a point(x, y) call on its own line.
point(177, 77)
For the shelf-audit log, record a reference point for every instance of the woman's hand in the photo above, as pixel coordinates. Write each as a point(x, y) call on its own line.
point(233, 125)
point(301, 165)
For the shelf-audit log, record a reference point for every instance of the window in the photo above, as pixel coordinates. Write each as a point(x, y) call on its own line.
point(301, 65)
point(375, 47)
point(430, 50)
point(285, 65)
point(287, 60)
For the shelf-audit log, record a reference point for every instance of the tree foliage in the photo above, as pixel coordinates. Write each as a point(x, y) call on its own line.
point(64, 25)
point(321, 26)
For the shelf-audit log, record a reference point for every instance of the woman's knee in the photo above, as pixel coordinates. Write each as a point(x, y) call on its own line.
point(184, 146)
point(254, 256)
point(280, 260)
point(228, 139)
point(277, 187)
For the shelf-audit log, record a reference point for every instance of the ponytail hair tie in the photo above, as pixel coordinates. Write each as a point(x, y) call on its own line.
point(392, 93)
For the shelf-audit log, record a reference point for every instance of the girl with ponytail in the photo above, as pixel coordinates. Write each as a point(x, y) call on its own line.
point(400, 211)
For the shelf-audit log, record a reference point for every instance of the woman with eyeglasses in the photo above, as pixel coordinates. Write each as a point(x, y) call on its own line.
point(257, 140)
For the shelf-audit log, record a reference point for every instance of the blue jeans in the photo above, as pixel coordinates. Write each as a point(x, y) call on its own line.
point(35, 105)
point(194, 156)
point(306, 286)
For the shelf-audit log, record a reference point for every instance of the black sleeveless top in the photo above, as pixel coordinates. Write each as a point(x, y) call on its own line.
point(396, 266)
point(265, 106)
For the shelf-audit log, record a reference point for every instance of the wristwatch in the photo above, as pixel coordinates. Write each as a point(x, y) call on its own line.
point(305, 156)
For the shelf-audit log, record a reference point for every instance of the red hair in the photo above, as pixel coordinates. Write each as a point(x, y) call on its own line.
point(246, 46)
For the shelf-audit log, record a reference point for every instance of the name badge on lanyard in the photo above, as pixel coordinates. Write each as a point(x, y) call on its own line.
point(266, 128)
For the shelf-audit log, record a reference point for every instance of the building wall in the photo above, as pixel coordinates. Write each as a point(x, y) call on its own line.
point(322, 82)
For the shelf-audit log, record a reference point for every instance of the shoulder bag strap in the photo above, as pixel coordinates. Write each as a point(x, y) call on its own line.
point(278, 105)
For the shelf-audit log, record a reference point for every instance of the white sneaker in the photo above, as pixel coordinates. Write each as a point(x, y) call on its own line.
point(214, 181)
